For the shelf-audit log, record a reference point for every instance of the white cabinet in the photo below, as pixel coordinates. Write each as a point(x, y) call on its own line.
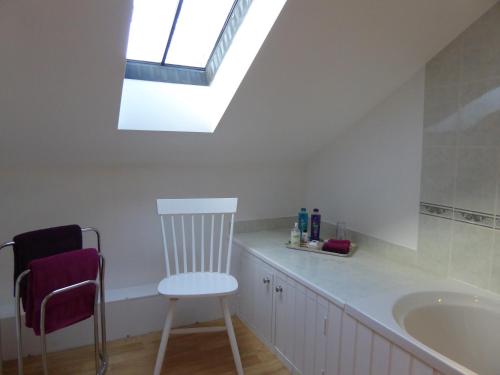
point(311, 335)
point(284, 317)
point(255, 300)
point(246, 289)
point(315, 338)
point(310, 330)
point(288, 317)
point(299, 328)
point(263, 300)
point(320, 341)
point(333, 336)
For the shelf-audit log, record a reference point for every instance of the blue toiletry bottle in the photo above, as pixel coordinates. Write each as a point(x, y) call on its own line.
point(315, 224)
point(303, 220)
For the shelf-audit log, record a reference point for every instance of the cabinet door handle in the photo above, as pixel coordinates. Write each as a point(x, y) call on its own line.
point(279, 289)
point(325, 325)
point(266, 280)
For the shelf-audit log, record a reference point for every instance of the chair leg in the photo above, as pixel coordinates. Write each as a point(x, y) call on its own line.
point(164, 337)
point(232, 337)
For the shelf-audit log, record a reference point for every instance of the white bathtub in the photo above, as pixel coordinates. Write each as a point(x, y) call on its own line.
point(463, 327)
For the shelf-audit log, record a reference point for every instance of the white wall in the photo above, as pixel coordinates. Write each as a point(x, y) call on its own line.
point(369, 176)
point(121, 203)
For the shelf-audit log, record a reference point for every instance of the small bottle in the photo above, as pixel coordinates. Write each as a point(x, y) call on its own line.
point(303, 219)
point(304, 238)
point(315, 225)
point(295, 236)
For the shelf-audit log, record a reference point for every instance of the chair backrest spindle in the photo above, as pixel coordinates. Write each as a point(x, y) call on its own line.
point(202, 243)
point(176, 254)
point(230, 245)
point(184, 253)
point(193, 244)
point(219, 258)
point(198, 207)
point(212, 245)
point(165, 245)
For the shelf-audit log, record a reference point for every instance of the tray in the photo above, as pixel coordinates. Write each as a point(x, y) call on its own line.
point(318, 251)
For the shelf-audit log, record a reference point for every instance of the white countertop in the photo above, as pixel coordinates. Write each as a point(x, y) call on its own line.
point(343, 279)
point(366, 285)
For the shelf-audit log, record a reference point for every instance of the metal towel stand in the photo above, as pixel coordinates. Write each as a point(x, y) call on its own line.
point(101, 355)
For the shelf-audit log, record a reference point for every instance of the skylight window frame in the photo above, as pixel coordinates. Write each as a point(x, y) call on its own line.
point(182, 74)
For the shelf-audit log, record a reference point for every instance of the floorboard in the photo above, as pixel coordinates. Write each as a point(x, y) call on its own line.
point(206, 353)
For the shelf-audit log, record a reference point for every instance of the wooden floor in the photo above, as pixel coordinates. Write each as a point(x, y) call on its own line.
point(207, 353)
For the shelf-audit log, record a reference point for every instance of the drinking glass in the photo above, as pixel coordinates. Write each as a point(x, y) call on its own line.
point(341, 233)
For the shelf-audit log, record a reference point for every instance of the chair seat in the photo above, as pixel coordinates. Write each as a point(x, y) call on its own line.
point(198, 284)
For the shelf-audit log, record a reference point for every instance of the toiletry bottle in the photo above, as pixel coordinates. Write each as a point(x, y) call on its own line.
point(303, 219)
point(295, 236)
point(315, 224)
point(304, 238)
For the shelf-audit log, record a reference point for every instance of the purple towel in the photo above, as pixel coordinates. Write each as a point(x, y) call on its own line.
point(43, 243)
point(55, 272)
point(337, 246)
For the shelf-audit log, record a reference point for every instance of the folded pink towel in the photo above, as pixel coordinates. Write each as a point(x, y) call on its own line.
point(337, 246)
point(55, 272)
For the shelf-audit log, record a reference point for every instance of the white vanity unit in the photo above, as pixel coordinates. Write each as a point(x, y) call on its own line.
point(315, 311)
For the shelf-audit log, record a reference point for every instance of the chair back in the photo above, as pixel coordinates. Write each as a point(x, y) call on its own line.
point(209, 224)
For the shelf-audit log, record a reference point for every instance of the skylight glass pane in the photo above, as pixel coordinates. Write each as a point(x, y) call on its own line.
point(198, 27)
point(150, 28)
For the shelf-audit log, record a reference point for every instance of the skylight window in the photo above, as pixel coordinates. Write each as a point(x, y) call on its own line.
point(167, 106)
point(198, 27)
point(149, 30)
point(181, 41)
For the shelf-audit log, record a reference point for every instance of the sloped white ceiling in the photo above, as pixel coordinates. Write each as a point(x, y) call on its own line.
point(322, 67)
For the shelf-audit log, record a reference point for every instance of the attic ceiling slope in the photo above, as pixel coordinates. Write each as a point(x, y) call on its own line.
point(323, 66)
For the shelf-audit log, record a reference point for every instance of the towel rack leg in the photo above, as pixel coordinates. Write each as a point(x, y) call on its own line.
point(19, 333)
point(104, 350)
point(43, 310)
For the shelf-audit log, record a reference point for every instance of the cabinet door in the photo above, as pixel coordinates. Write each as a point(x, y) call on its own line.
point(284, 316)
point(320, 336)
point(333, 336)
point(246, 289)
point(299, 328)
point(310, 333)
point(263, 300)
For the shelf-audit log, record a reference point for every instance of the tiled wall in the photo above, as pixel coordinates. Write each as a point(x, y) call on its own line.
point(459, 232)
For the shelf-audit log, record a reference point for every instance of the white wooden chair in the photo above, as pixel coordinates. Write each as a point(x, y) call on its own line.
point(202, 272)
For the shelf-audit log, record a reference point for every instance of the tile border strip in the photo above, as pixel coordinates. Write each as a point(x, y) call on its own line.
point(482, 219)
point(438, 210)
point(475, 218)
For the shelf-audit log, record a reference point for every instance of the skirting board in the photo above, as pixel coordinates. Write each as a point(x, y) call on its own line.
point(124, 318)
